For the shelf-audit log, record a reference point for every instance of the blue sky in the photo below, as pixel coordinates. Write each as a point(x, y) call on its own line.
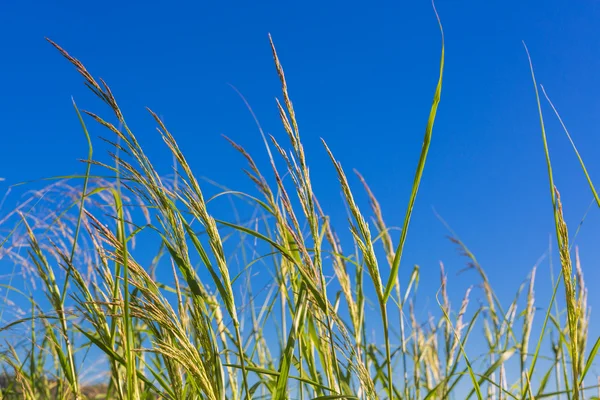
point(362, 77)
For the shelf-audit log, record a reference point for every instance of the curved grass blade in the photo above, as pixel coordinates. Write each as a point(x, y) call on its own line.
point(484, 377)
point(590, 360)
point(587, 175)
point(419, 173)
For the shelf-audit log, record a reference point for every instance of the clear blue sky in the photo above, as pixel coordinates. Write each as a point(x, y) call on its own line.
point(362, 77)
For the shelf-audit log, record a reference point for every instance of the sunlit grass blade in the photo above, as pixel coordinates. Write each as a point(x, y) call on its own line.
point(461, 345)
point(590, 360)
point(419, 173)
point(281, 390)
point(583, 167)
point(488, 372)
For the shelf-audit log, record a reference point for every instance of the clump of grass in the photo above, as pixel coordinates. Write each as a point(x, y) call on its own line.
point(575, 292)
point(304, 334)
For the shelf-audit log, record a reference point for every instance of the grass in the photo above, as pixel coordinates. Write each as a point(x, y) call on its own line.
point(305, 335)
